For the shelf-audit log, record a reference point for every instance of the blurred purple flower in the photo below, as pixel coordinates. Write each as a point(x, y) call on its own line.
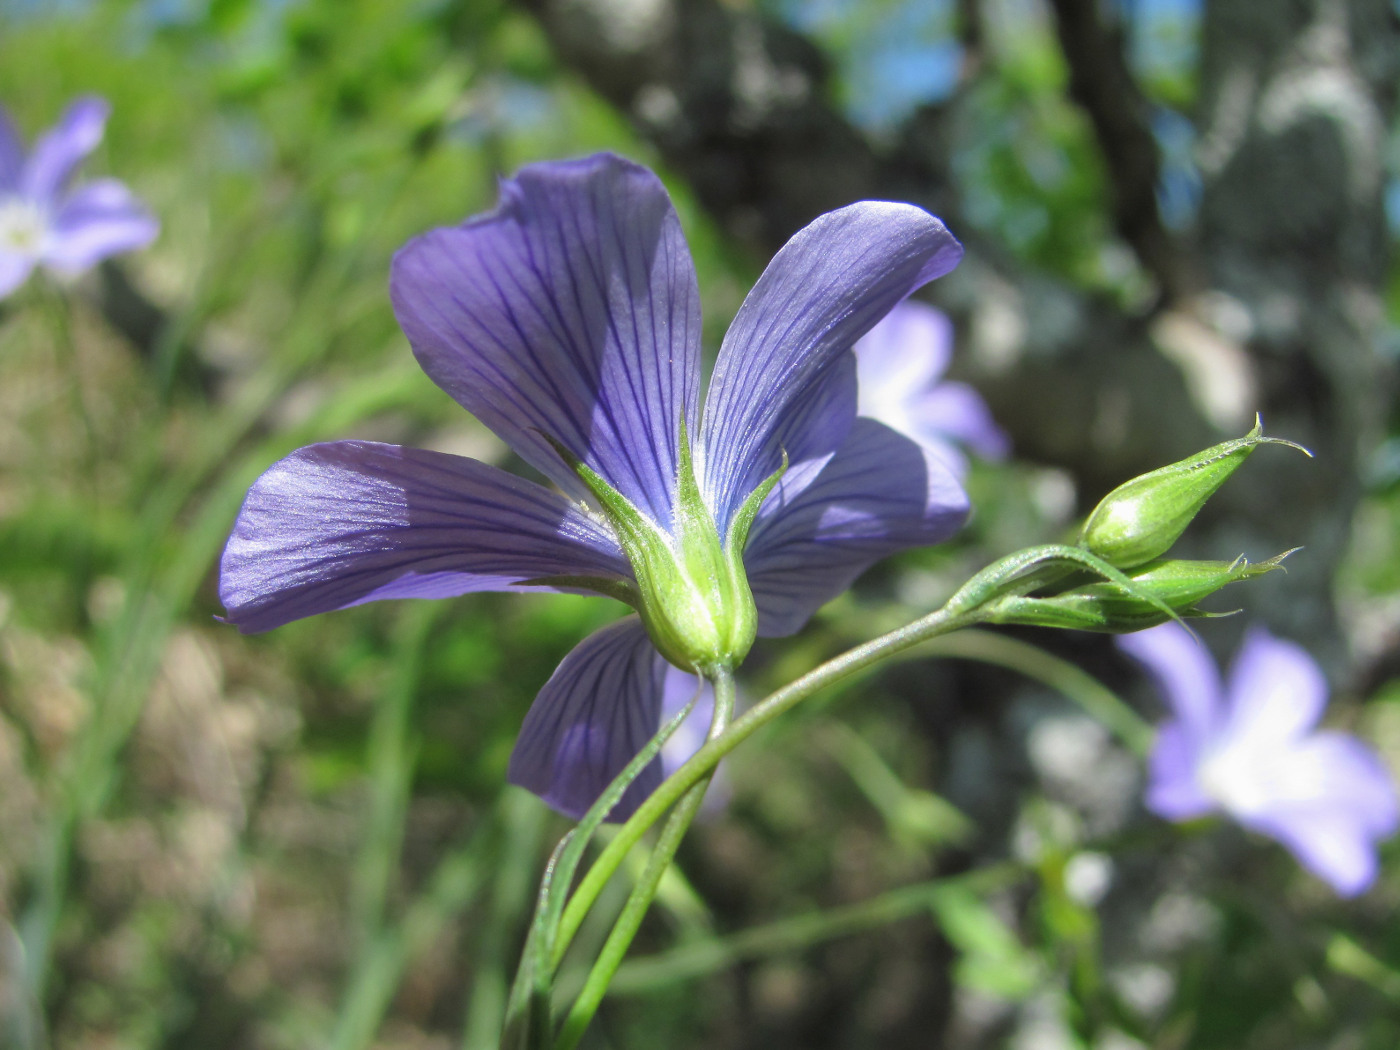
point(44, 221)
point(1249, 747)
point(900, 364)
point(568, 320)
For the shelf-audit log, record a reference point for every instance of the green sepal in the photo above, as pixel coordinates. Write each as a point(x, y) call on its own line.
point(693, 600)
point(1140, 519)
point(1109, 607)
point(744, 517)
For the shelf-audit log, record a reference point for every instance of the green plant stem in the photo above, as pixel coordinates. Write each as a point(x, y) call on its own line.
point(638, 976)
point(455, 883)
point(392, 752)
point(1061, 675)
point(639, 901)
point(529, 1008)
point(670, 791)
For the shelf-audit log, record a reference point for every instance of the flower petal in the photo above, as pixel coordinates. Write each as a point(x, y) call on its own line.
point(906, 352)
point(1173, 785)
point(598, 709)
point(349, 522)
point(1184, 673)
point(98, 219)
point(570, 311)
point(1327, 842)
point(825, 289)
point(956, 410)
point(1326, 797)
point(1330, 805)
point(819, 425)
point(827, 521)
point(59, 150)
point(15, 268)
point(11, 153)
point(1276, 690)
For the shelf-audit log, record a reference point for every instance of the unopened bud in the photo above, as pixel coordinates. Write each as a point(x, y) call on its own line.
point(1177, 585)
point(1140, 519)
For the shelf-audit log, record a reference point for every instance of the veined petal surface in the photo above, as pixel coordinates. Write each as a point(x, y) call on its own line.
point(598, 709)
point(570, 311)
point(58, 151)
point(348, 522)
point(98, 219)
point(829, 520)
point(825, 289)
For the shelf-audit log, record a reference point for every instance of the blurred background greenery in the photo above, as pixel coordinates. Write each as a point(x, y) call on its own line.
point(303, 840)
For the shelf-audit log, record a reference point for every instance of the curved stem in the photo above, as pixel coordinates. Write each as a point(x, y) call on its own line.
point(704, 760)
point(1078, 685)
point(620, 939)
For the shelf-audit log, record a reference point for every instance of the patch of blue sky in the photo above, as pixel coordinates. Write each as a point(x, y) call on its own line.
point(896, 54)
point(1179, 182)
point(891, 84)
point(1164, 36)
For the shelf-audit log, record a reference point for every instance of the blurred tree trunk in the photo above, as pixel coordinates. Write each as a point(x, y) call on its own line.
point(1276, 294)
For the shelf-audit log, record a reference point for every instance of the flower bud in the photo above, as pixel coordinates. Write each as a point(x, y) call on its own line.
point(1106, 606)
point(1142, 518)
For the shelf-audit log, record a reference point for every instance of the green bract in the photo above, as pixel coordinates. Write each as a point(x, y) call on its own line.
point(1142, 518)
point(691, 590)
point(1105, 606)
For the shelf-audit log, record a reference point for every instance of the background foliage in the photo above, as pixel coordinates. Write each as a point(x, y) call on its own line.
point(302, 839)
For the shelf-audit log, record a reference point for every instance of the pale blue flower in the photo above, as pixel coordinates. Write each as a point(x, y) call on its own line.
point(1249, 747)
point(44, 219)
point(900, 364)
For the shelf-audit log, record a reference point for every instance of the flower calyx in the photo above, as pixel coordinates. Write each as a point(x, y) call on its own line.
point(691, 589)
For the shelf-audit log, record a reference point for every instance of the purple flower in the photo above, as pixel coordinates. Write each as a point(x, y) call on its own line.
point(900, 364)
point(568, 321)
point(44, 221)
point(1249, 747)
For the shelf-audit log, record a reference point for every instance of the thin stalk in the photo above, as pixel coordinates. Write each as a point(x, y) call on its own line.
point(455, 883)
point(523, 818)
point(393, 753)
point(704, 760)
point(638, 976)
point(639, 901)
point(1064, 677)
point(528, 1011)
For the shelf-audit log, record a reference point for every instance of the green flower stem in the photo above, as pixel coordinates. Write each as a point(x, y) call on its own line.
point(528, 1011)
point(639, 976)
point(1061, 675)
point(704, 760)
point(620, 939)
